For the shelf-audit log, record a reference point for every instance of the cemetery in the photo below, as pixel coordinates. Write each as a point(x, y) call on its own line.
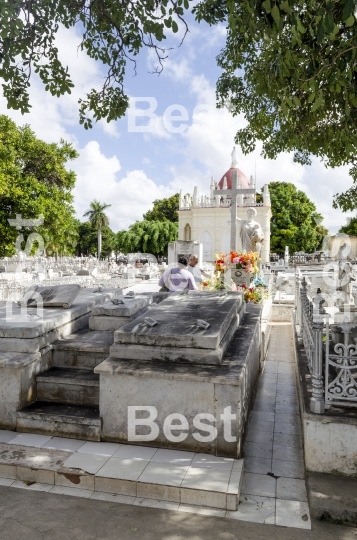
point(178, 270)
point(93, 354)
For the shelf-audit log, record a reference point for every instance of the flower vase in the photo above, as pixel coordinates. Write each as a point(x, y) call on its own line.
point(239, 276)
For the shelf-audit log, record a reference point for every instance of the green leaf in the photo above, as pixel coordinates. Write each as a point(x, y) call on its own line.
point(276, 14)
point(267, 6)
point(350, 21)
point(347, 9)
point(329, 22)
point(285, 6)
point(300, 26)
point(174, 27)
point(320, 31)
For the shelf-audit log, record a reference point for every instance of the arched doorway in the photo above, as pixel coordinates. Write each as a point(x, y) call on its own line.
point(187, 232)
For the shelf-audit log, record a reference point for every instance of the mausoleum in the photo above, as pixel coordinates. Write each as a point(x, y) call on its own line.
point(207, 219)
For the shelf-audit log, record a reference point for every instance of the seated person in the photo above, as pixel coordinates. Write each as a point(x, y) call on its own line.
point(178, 279)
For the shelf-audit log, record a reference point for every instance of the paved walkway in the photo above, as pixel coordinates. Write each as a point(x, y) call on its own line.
point(274, 490)
point(34, 515)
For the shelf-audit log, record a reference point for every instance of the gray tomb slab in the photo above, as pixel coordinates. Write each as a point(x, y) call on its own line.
point(19, 334)
point(110, 317)
point(177, 322)
point(51, 296)
point(130, 306)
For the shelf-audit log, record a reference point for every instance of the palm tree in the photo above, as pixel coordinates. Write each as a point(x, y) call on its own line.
point(98, 219)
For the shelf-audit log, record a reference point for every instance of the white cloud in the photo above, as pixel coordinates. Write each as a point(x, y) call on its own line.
point(97, 178)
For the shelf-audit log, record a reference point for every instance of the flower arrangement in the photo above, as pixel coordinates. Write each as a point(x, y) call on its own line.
point(255, 294)
point(220, 262)
point(215, 283)
point(245, 261)
point(248, 262)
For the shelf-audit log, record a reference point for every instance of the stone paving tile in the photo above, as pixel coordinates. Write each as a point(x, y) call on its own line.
point(286, 427)
point(256, 509)
point(288, 469)
point(258, 425)
point(291, 489)
point(7, 436)
point(264, 407)
point(288, 453)
point(288, 439)
point(258, 450)
point(30, 439)
point(293, 514)
point(257, 465)
point(262, 437)
point(259, 484)
point(287, 408)
point(262, 416)
point(288, 417)
point(269, 377)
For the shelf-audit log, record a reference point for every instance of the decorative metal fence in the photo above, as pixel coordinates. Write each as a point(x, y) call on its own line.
point(331, 351)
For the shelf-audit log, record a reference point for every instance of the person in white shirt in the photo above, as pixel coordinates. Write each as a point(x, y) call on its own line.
point(195, 270)
point(179, 278)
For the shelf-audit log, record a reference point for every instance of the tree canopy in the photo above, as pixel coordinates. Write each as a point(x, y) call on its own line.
point(295, 221)
point(164, 209)
point(112, 32)
point(147, 237)
point(96, 214)
point(34, 181)
point(350, 228)
point(88, 240)
point(290, 67)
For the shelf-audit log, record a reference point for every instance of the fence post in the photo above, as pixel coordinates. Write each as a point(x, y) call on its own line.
point(303, 297)
point(317, 401)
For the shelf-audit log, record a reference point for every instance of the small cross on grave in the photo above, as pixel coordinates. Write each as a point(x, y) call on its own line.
point(234, 192)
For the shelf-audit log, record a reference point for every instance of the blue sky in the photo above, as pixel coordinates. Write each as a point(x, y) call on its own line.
point(129, 169)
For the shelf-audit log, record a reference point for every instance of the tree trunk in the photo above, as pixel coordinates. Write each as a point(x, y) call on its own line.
point(99, 242)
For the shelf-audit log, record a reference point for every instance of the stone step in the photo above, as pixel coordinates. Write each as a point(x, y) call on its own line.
point(83, 350)
point(68, 386)
point(60, 420)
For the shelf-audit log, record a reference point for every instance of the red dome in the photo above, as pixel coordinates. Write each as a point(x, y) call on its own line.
point(242, 179)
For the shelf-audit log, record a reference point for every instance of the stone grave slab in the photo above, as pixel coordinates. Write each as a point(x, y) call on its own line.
point(109, 316)
point(51, 296)
point(21, 331)
point(177, 322)
point(177, 337)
